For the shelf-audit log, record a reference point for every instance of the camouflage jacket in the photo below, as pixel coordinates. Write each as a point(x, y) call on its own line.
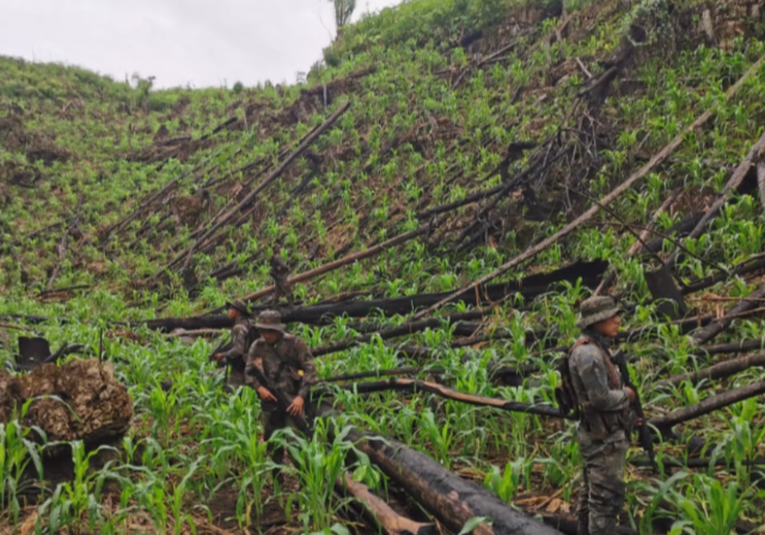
point(279, 267)
point(281, 364)
point(239, 341)
point(599, 387)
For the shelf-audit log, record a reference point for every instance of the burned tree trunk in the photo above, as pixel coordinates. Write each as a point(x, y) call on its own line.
point(665, 423)
point(719, 325)
point(79, 400)
point(448, 497)
point(414, 385)
point(718, 371)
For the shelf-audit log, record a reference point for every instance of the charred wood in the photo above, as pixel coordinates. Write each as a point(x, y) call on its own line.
point(448, 497)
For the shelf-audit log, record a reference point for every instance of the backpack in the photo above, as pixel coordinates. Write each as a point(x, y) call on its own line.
point(252, 335)
point(565, 394)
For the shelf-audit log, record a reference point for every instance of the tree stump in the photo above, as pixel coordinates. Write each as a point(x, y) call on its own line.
point(78, 400)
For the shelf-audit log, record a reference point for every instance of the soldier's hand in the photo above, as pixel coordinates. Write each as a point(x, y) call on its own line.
point(631, 394)
point(218, 357)
point(265, 394)
point(296, 407)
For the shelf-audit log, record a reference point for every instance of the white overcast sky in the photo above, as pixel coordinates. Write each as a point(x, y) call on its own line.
point(201, 42)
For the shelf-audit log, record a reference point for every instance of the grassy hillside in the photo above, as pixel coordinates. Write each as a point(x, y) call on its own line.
point(441, 107)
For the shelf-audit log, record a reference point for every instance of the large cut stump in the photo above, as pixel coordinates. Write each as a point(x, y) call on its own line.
point(79, 400)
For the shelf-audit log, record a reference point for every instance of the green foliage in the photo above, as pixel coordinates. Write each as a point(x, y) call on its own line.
point(412, 140)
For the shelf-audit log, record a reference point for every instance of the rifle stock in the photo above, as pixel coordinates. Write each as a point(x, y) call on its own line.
point(281, 400)
point(644, 434)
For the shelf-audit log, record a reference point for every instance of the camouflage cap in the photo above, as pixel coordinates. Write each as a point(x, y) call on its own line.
point(270, 320)
point(597, 309)
point(239, 305)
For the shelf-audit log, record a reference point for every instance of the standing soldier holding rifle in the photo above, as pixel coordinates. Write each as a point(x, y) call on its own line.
point(280, 368)
point(606, 419)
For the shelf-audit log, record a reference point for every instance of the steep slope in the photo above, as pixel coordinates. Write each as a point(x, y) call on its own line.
point(497, 122)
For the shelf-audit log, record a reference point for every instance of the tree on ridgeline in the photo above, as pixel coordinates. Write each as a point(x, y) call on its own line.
point(343, 12)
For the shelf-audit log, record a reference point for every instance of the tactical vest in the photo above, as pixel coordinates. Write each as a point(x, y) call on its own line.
point(599, 424)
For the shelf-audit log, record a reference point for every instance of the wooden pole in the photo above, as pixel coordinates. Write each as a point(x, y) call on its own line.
point(379, 512)
point(414, 385)
point(658, 158)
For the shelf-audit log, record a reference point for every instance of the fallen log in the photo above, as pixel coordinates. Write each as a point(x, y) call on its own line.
point(717, 371)
point(189, 324)
point(567, 524)
point(451, 499)
point(379, 512)
point(713, 403)
point(761, 182)
point(746, 267)
point(529, 287)
point(695, 462)
point(79, 400)
point(376, 373)
point(658, 158)
point(731, 186)
point(414, 385)
point(401, 330)
point(16, 327)
point(733, 347)
point(719, 325)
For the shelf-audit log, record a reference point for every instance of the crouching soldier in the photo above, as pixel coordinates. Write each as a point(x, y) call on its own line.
point(235, 357)
point(606, 418)
point(287, 364)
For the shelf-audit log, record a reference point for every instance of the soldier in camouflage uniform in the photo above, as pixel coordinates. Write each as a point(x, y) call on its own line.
point(287, 364)
point(280, 273)
point(235, 357)
point(606, 417)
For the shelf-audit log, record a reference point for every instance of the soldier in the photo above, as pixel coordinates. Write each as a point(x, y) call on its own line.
point(606, 418)
point(287, 363)
point(280, 272)
point(235, 357)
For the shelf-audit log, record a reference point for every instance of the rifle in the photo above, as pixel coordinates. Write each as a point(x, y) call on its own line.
point(281, 400)
point(644, 433)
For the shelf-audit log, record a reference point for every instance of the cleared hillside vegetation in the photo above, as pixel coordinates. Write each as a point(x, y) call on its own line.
point(494, 122)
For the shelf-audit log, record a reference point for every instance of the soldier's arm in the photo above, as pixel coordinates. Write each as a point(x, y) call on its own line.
point(237, 349)
point(587, 363)
point(310, 376)
point(254, 358)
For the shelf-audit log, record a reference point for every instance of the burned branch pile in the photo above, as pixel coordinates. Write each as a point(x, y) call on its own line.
point(79, 400)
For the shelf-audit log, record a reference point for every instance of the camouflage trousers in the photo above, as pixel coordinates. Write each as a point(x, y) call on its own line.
point(236, 376)
point(274, 419)
point(602, 496)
